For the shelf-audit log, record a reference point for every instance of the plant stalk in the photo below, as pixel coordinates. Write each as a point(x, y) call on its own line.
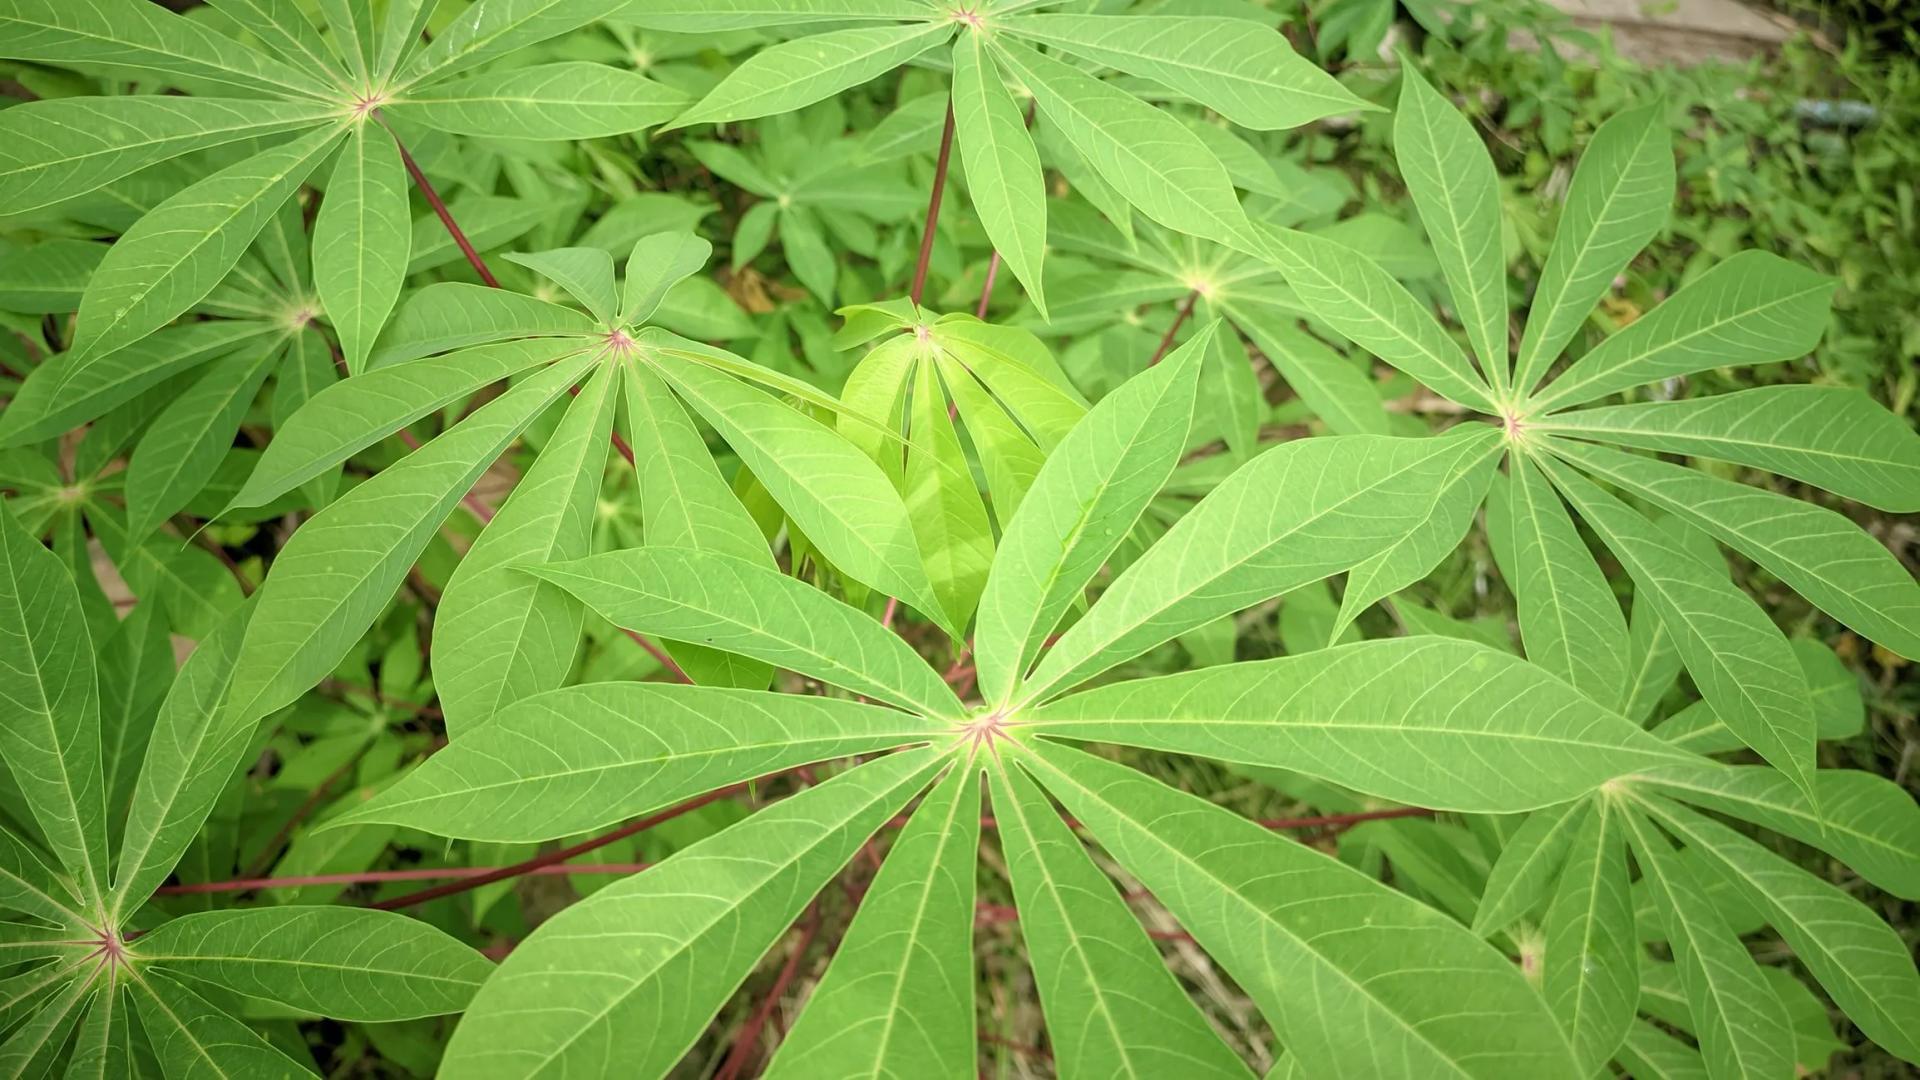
point(933, 207)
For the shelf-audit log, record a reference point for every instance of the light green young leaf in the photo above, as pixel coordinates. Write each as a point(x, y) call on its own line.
point(496, 28)
point(586, 273)
point(707, 16)
point(346, 963)
point(1427, 721)
point(1083, 503)
point(1297, 513)
point(751, 608)
point(453, 314)
point(1154, 161)
point(356, 413)
point(794, 74)
point(1621, 193)
point(1243, 71)
point(1009, 457)
point(1417, 554)
point(1319, 946)
point(1019, 372)
point(658, 263)
point(571, 100)
point(583, 757)
point(1111, 1005)
point(898, 999)
point(1738, 658)
point(136, 40)
point(1833, 437)
point(1744, 1030)
point(1523, 876)
point(1867, 821)
point(340, 568)
point(710, 913)
point(50, 705)
point(1752, 308)
point(804, 243)
point(1592, 962)
point(1570, 620)
point(361, 241)
point(1821, 554)
point(1337, 391)
point(196, 1041)
point(181, 249)
point(943, 499)
point(400, 35)
point(1363, 302)
point(1451, 178)
point(192, 753)
point(1002, 167)
point(1857, 957)
point(51, 151)
point(503, 636)
point(185, 444)
point(833, 492)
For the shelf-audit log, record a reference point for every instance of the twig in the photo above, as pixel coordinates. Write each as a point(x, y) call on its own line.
point(933, 207)
point(1179, 317)
point(743, 1045)
point(440, 208)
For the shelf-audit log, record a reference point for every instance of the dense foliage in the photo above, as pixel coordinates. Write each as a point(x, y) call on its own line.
point(451, 621)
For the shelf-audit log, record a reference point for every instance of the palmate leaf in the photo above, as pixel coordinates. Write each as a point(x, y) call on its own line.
point(485, 31)
point(571, 100)
point(194, 1039)
point(659, 262)
point(1829, 436)
point(710, 912)
point(188, 440)
point(1337, 392)
point(137, 39)
point(28, 886)
point(1591, 975)
point(1424, 720)
point(453, 314)
point(1570, 620)
point(943, 499)
point(285, 30)
point(705, 16)
point(1001, 164)
point(362, 238)
point(1082, 504)
point(1318, 945)
point(586, 273)
point(1523, 876)
point(345, 963)
point(582, 757)
point(32, 1046)
point(797, 73)
point(898, 1000)
point(103, 1043)
point(50, 706)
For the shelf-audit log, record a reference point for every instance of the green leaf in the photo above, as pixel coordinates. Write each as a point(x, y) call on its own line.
point(898, 999)
point(943, 499)
point(1867, 821)
point(659, 262)
point(1002, 166)
point(1154, 161)
point(103, 1044)
point(361, 241)
point(836, 495)
point(453, 314)
point(1243, 71)
point(1744, 1030)
point(185, 444)
point(47, 278)
point(1753, 308)
point(489, 221)
point(1009, 457)
point(306, 370)
point(1570, 620)
point(196, 1041)
point(1451, 178)
point(586, 274)
point(50, 722)
point(753, 609)
point(1832, 437)
point(34, 1045)
point(181, 249)
point(284, 28)
point(1338, 392)
point(1350, 293)
point(794, 74)
point(356, 413)
point(1858, 958)
point(1083, 503)
point(1592, 962)
point(29, 887)
point(345, 963)
point(1833, 688)
point(504, 636)
point(340, 569)
point(710, 912)
point(1738, 658)
point(51, 151)
point(1523, 876)
point(352, 33)
point(1297, 513)
point(1649, 1053)
point(1427, 721)
point(571, 100)
point(1112, 1007)
point(192, 753)
point(1621, 193)
point(705, 16)
point(497, 28)
point(1821, 554)
point(579, 758)
point(136, 39)
point(1319, 946)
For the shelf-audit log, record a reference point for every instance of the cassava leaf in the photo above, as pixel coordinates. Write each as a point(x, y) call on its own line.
point(1002, 166)
point(586, 273)
point(453, 314)
point(137, 39)
point(1523, 876)
point(568, 100)
point(1570, 620)
point(794, 74)
point(185, 444)
point(362, 239)
point(1591, 975)
point(485, 31)
point(194, 1039)
point(659, 262)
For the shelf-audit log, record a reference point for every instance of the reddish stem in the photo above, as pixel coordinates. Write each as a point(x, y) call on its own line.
point(674, 669)
point(933, 207)
point(440, 209)
point(1179, 317)
point(743, 1046)
point(986, 291)
point(375, 877)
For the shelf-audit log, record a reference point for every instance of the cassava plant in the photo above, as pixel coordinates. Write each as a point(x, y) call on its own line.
point(962, 606)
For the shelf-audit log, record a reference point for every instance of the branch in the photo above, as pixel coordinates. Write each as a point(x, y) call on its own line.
point(933, 207)
point(440, 209)
point(1179, 317)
